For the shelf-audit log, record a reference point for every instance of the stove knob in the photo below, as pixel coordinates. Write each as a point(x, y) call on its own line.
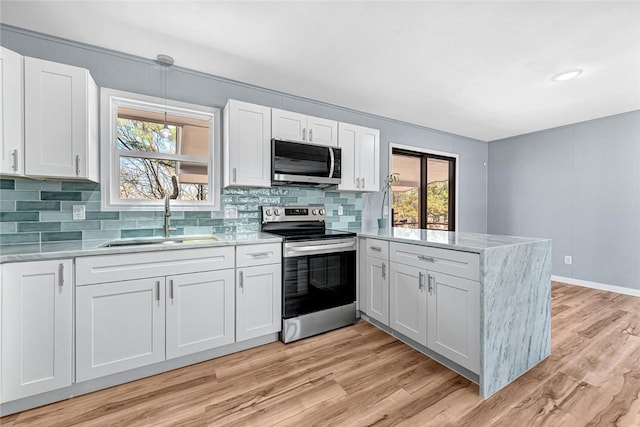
point(276, 212)
point(314, 212)
point(321, 211)
point(267, 212)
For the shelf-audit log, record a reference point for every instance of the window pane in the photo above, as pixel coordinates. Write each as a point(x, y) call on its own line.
point(437, 203)
point(150, 179)
point(144, 136)
point(405, 192)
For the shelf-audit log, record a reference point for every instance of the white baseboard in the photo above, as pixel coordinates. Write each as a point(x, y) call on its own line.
point(596, 285)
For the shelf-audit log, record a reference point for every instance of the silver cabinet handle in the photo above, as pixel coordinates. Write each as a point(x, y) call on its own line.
point(304, 134)
point(157, 290)
point(61, 274)
point(310, 135)
point(77, 164)
point(375, 248)
point(171, 288)
point(14, 164)
point(426, 258)
point(259, 255)
point(420, 284)
point(234, 174)
point(362, 182)
point(430, 280)
point(241, 281)
point(384, 270)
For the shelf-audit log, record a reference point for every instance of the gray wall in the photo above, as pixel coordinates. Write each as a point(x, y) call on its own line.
point(124, 72)
point(580, 186)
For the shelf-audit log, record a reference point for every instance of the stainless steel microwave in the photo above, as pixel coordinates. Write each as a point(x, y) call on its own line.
point(304, 164)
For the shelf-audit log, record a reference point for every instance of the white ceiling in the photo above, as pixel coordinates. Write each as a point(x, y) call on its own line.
point(478, 69)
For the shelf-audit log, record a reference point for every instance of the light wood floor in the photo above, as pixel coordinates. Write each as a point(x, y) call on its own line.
point(360, 376)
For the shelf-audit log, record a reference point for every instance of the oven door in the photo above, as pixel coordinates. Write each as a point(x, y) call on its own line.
point(318, 275)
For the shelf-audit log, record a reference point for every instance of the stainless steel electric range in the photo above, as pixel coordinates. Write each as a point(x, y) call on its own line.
point(318, 271)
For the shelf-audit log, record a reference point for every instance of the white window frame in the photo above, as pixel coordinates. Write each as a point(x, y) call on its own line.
point(456, 156)
point(110, 100)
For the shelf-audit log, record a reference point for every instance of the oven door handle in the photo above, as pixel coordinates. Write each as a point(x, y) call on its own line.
point(324, 248)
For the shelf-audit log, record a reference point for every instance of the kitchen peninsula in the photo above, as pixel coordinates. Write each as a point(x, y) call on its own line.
point(479, 304)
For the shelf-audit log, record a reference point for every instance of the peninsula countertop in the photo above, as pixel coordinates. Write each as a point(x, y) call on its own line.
point(454, 240)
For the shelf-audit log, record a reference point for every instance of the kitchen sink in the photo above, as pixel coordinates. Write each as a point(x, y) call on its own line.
point(158, 241)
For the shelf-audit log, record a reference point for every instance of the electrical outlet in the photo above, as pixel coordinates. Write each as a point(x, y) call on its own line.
point(340, 210)
point(230, 212)
point(568, 259)
point(78, 212)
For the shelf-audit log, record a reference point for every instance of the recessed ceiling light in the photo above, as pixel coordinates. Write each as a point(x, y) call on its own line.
point(567, 75)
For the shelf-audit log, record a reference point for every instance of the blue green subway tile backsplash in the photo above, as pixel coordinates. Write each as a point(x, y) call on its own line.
point(34, 211)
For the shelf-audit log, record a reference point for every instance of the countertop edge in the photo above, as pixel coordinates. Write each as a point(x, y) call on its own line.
point(93, 248)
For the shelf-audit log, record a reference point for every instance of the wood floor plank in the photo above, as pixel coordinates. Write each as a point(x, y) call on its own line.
point(361, 376)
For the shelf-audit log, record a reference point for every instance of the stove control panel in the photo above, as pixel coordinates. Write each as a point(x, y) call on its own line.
point(293, 213)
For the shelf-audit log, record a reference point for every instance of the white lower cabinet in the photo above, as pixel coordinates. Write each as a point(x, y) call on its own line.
point(258, 290)
point(430, 295)
point(126, 324)
point(37, 329)
point(454, 316)
point(119, 326)
point(408, 302)
point(375, 278)
point(199, 310)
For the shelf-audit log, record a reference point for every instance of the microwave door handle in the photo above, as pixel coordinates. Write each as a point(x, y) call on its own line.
point(333, 162)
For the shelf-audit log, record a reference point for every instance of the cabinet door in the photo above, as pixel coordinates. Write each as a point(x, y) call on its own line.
point(347, 141)
point(56, 122)
point(454, 319)
point(377, 283)
point(247, 142)
point(119, 326)
point(322, 131)
point(258, 301)
point(11, 111)
point(37, 327)
point(368, 152)
point(288, 125)
point(200, 311)
point(408, 302)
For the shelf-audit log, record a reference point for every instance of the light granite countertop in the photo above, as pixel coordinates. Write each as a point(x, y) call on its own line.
point(459, 241)
point(467, 242)
point(58, 250)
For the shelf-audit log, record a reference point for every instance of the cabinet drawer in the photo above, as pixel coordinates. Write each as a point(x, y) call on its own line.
point(113, 268)
point(456, 263)
point(250, 255)
point(377, 248)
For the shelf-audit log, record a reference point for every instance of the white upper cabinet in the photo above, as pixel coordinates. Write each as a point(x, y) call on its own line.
point(61, 121)
point(292, 126)
point(11, 110)
point(360, 158)
point(247, 145)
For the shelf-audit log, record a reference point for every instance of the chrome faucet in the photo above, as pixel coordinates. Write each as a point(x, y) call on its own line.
point(167, 215)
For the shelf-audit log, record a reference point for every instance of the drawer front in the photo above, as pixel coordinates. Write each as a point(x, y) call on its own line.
point(250, 255)
point(377, 248)
point(114, 268)
point(456, 263)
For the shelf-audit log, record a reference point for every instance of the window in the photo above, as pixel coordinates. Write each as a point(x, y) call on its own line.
point(424, 195)
point(139, 167)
